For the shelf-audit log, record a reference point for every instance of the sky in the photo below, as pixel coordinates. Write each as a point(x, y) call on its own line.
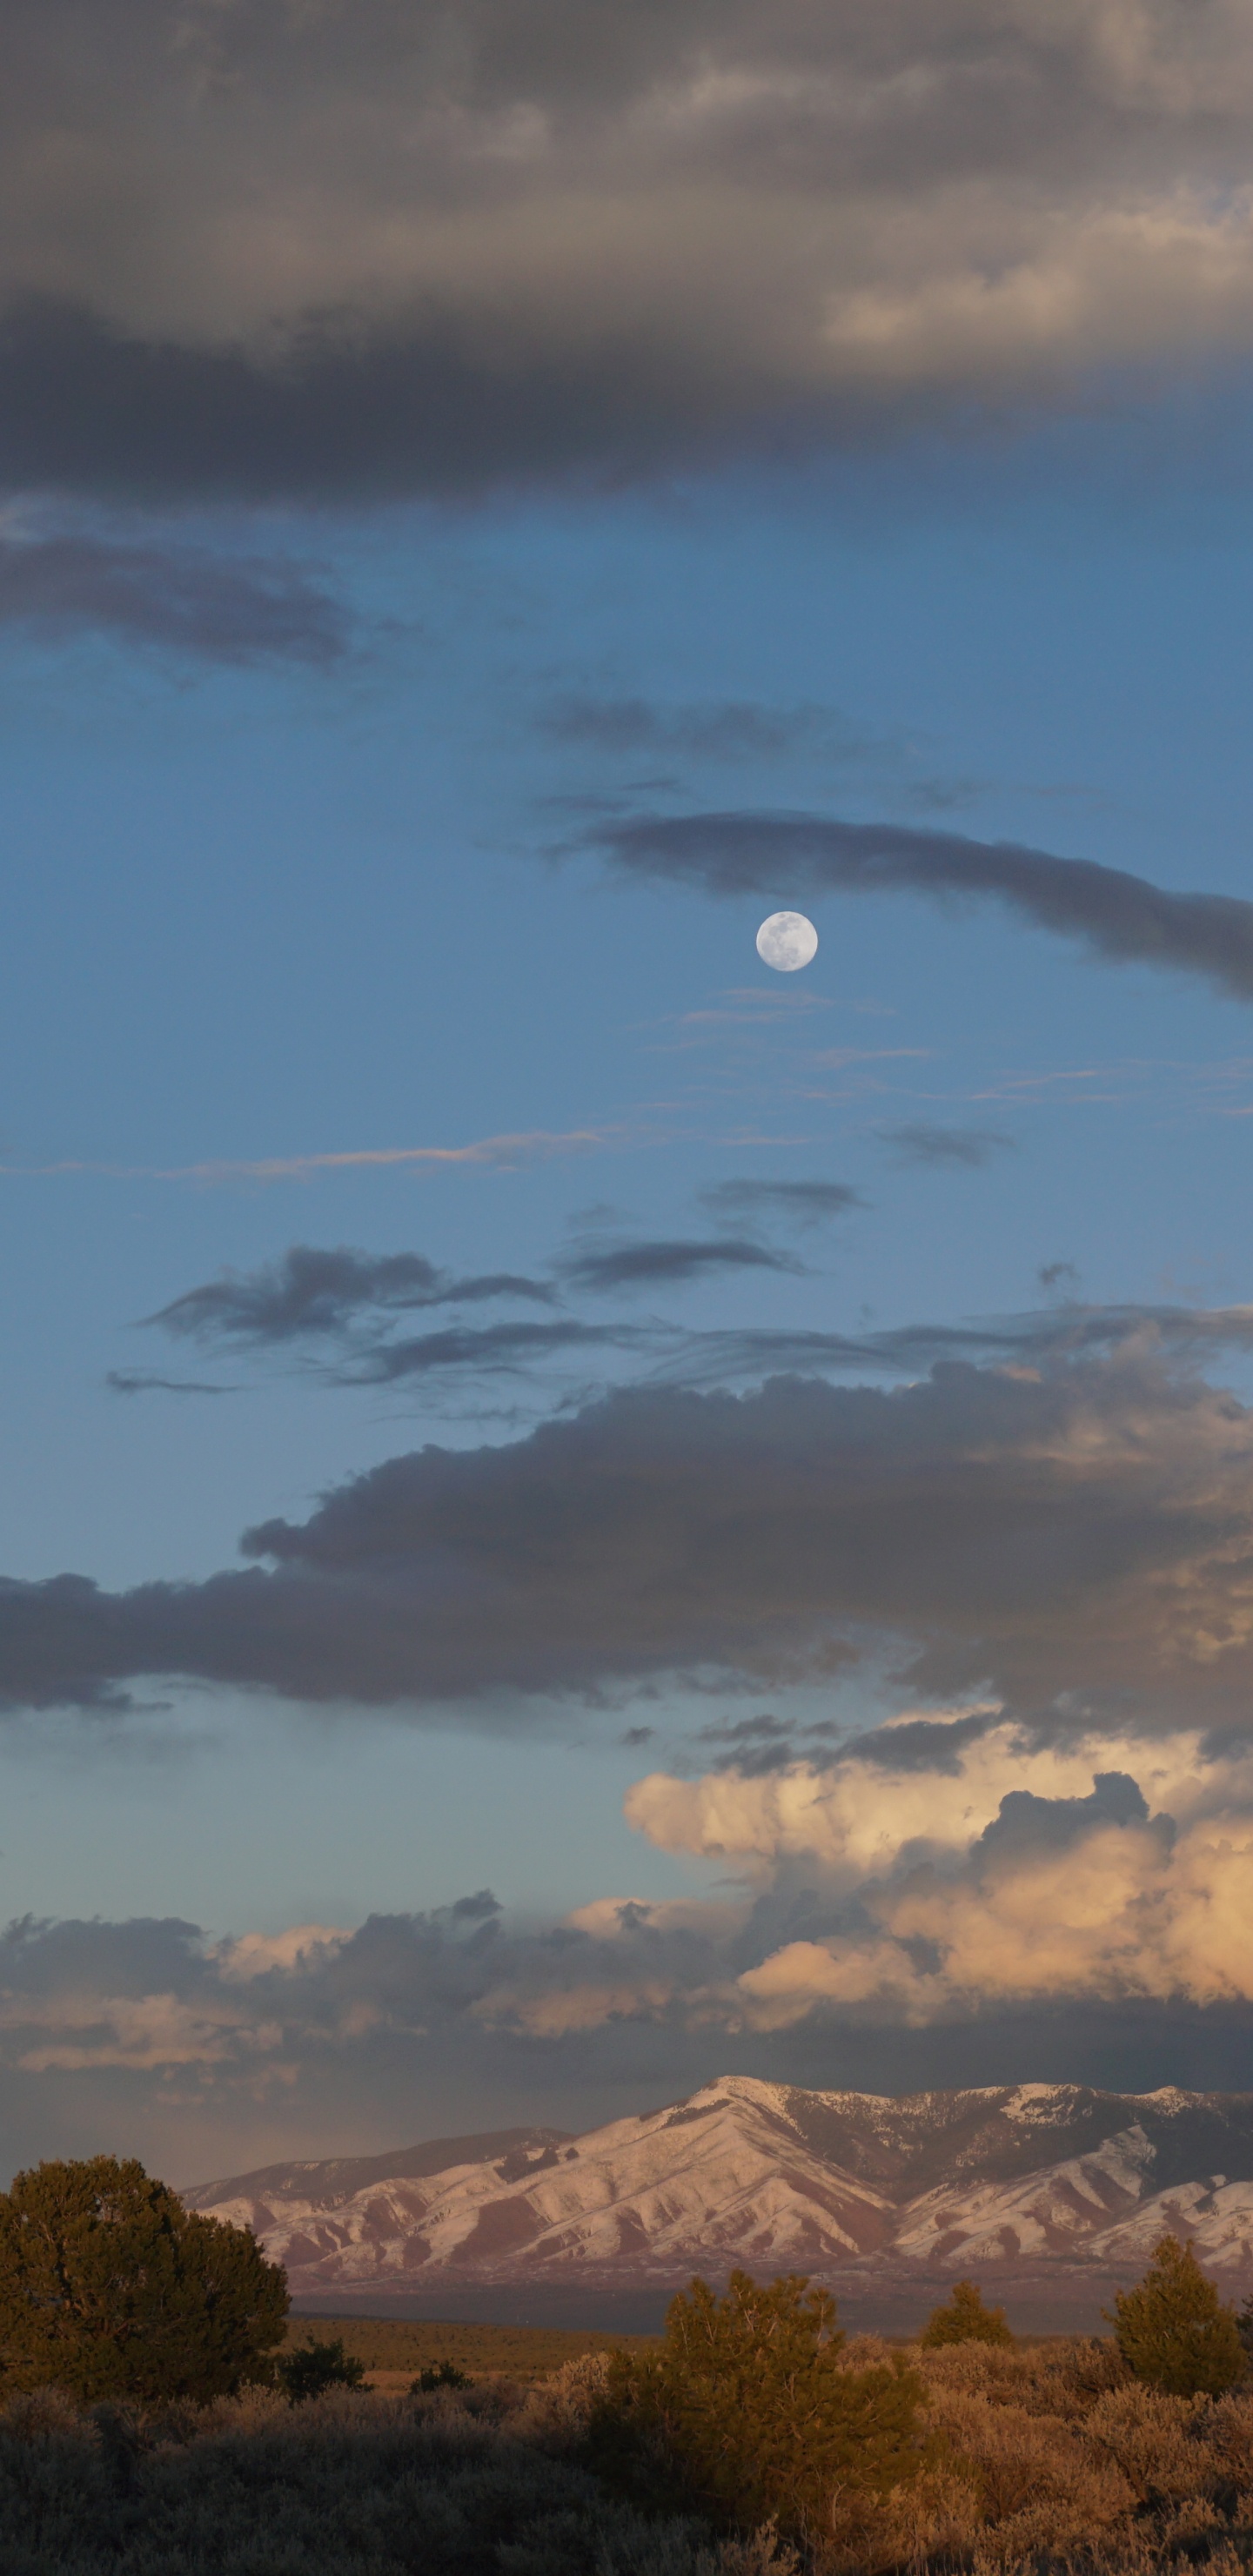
point(582, 1514)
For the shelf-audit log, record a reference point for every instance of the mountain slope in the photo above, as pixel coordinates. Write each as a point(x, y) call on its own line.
point(766, 2175)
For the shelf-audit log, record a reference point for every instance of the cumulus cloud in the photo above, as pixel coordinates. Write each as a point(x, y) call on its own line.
point(1115, 914)
point(1096, 1903)
point(1070, 1533)
point(1075, 1926)
point(951, 1782)
point(309, 250)
point(179, 599)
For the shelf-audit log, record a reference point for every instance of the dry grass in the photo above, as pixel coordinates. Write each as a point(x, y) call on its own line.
point(395, 2349)
point(1040, 2459)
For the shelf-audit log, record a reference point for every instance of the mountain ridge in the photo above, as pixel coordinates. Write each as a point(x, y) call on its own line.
point(1044, 2182)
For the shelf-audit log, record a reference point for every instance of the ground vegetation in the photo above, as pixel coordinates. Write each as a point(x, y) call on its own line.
point(1052, 2459)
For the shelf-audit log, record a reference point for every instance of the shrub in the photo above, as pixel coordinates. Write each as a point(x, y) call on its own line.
point(1173, 2331)
point(439, 2374)
point(109, 2288)
point(315, 2367)
point(748, 2409)
point(964, 2319)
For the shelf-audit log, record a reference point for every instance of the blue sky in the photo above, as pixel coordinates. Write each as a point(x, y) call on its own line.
point(308, 799)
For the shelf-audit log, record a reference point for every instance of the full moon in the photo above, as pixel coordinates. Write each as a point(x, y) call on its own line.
point(787, 941)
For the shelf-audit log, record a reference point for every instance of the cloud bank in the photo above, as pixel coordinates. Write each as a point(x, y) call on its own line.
point(308, 251)
point(1071, 1533)
point(896, 1925)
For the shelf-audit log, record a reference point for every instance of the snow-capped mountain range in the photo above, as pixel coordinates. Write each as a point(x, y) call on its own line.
point(1015, 2182)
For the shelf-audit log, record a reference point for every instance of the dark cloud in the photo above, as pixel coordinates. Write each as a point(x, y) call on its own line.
point(211, 607)
point(945, 1147)
point(668, 1263)
point(805, 856)
point(1027, 1824)
point(802, 1203)
point(312, 1293)
point(142, 1382)
point(921, 1743)
point(753, 1747)
point(373, 412)
point(311, 251)
point(1071, 1536)
point(493, 1347)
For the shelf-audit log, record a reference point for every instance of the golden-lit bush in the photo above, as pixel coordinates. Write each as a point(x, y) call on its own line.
point(1160, 2444)
point(746, 2413)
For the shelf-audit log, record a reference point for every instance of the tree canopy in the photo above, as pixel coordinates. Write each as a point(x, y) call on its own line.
point(964, 2319)
point(1173, 2330)
point(109, 2288)
point(749, 2407)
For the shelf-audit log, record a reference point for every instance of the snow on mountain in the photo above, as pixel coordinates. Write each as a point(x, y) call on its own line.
point(776, 2179)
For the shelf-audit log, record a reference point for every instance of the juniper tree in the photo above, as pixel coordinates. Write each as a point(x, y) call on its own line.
point(747, 2413)
point(964, 2319)
point(1173, 2330)
point(110, 2288)
point(316, 2366)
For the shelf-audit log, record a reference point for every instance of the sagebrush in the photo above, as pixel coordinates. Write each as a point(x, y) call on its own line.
point(1047, 2459)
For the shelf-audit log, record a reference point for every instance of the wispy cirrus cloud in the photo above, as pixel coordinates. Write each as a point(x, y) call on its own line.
point(312, 1293)
point(937, 1148)
point(495, 1153)
point(799, 1203)
point(724, 729)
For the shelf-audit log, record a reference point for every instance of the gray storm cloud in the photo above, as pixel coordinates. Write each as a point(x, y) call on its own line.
point(271, 249)
point(1073, 1531)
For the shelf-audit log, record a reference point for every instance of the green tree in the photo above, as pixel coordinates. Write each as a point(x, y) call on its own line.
point(314, 2366)
point(109, 2288)
point(964, 2319)
point(746, 2413)
point(1173, 2330)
